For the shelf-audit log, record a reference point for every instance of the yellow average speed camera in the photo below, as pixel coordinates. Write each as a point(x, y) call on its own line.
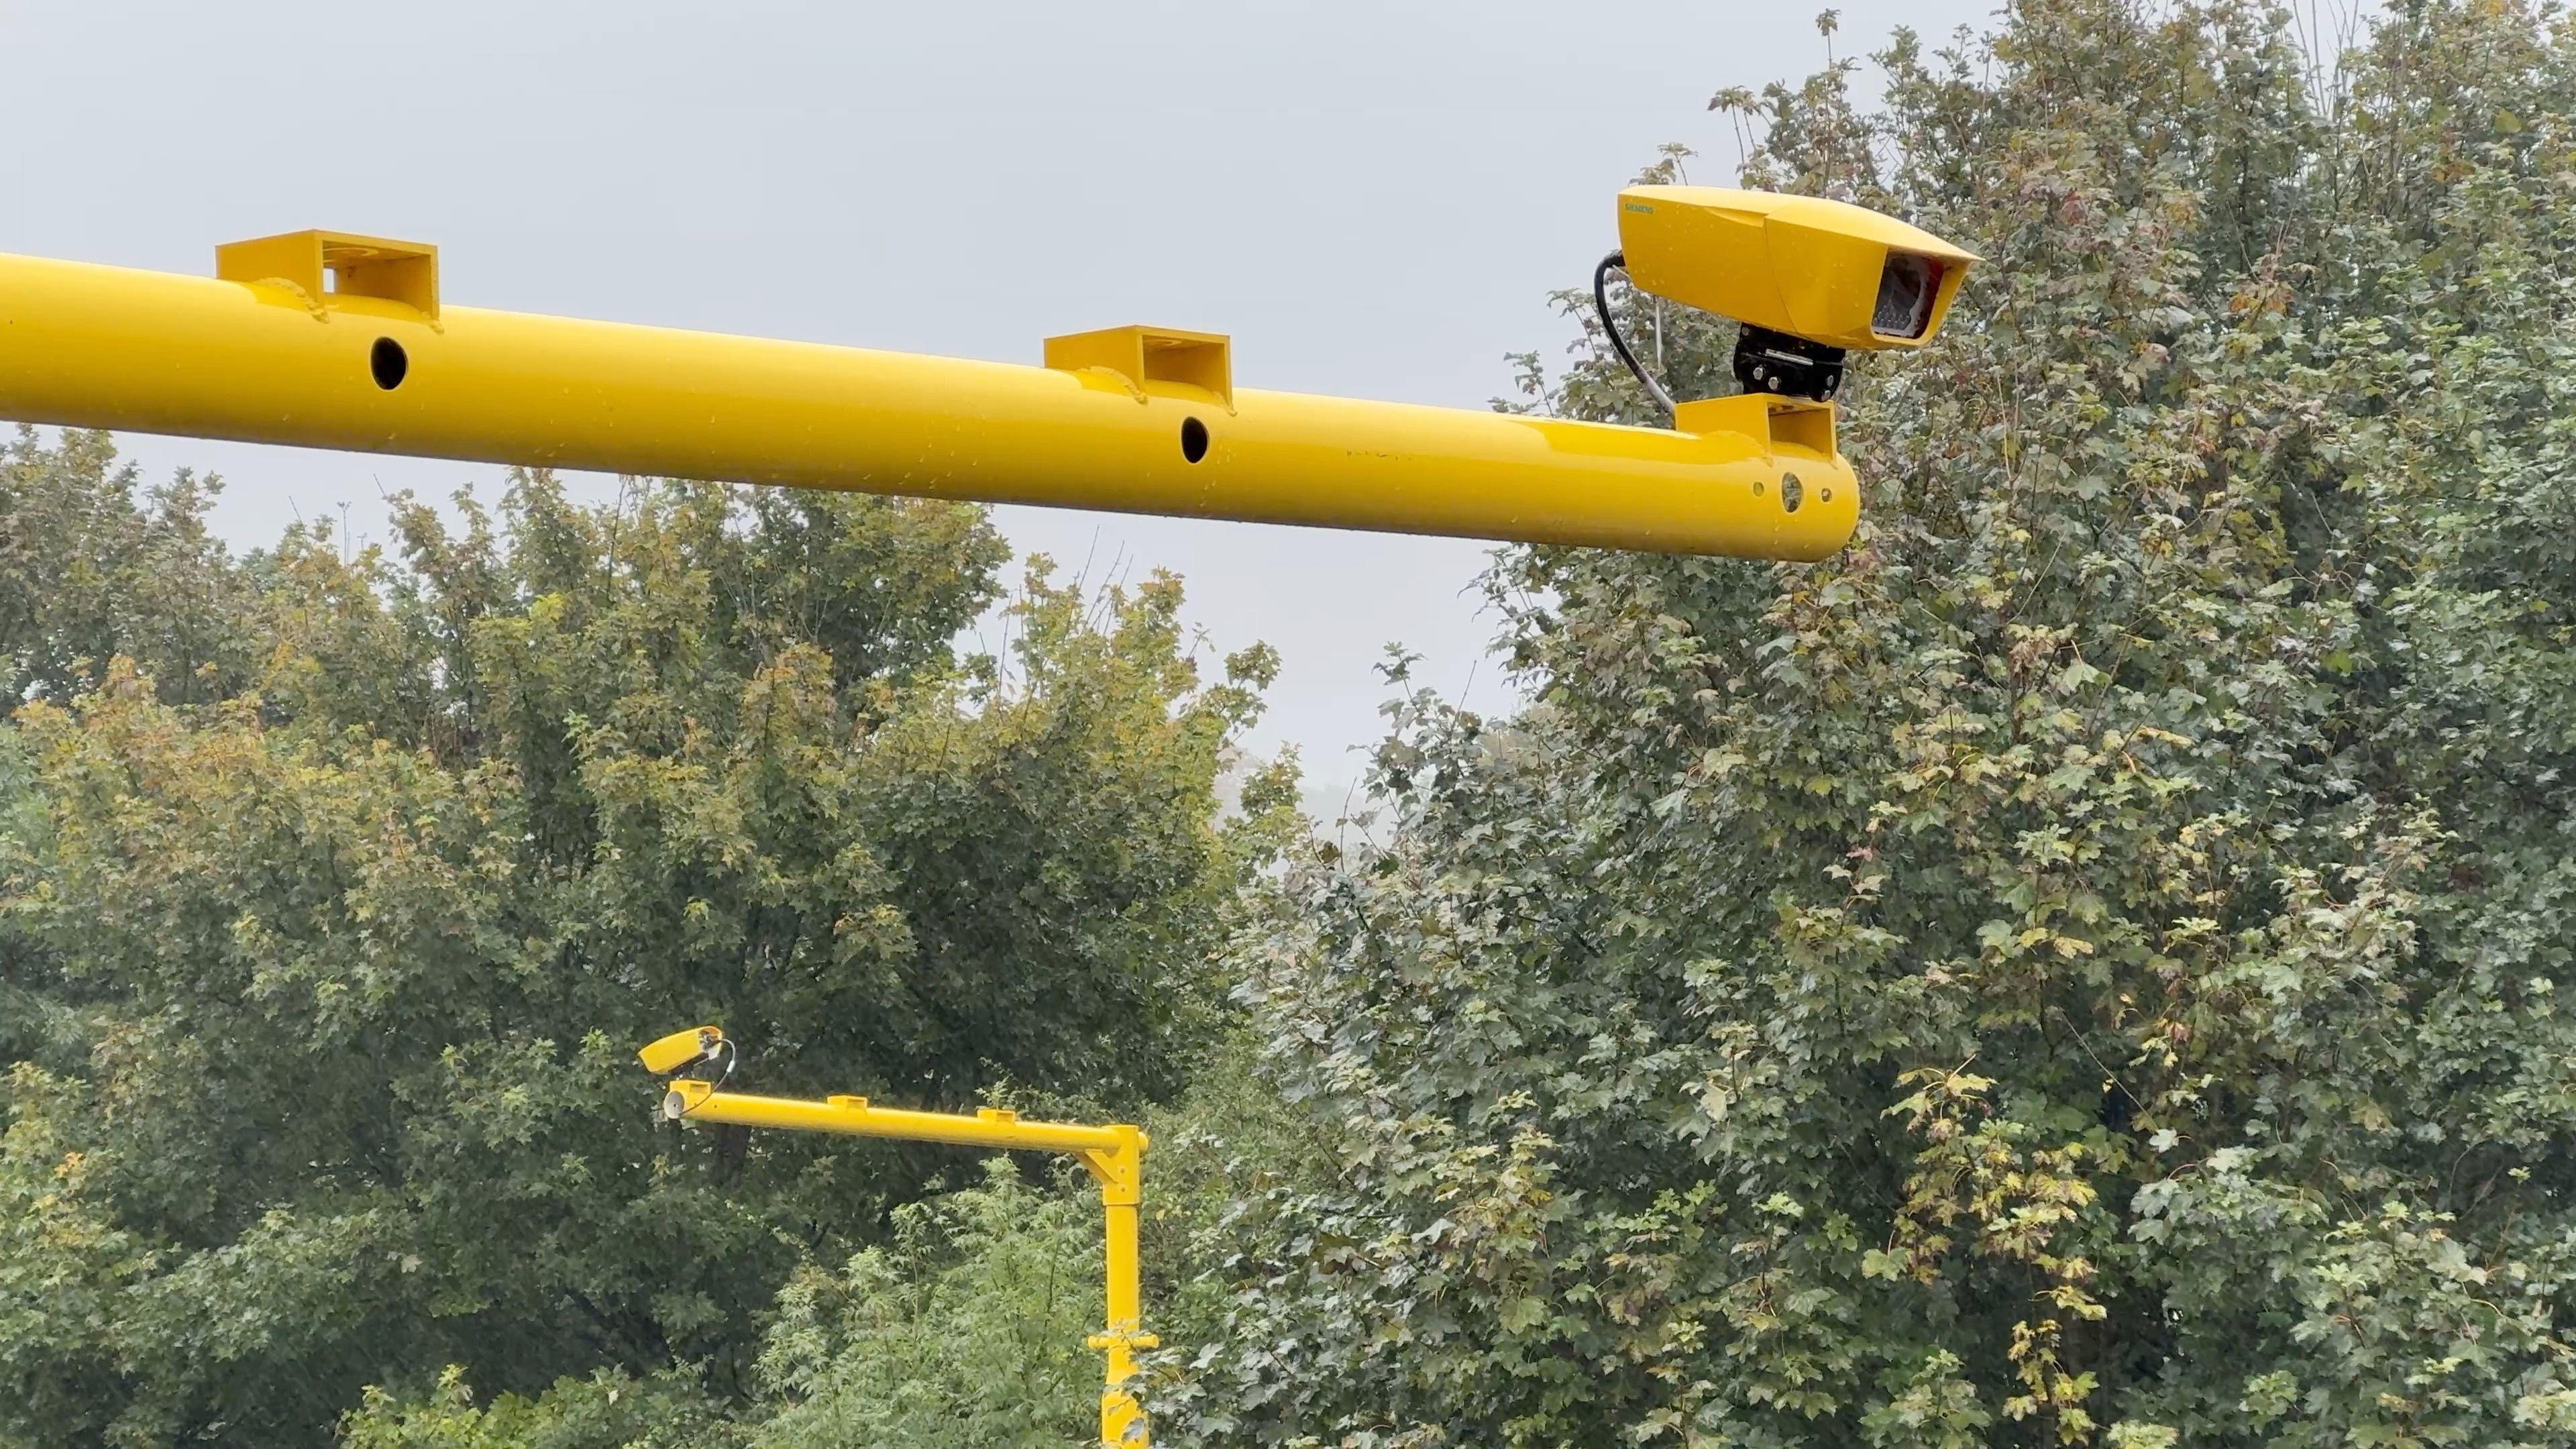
point(1809, 278)
point(681, 1050)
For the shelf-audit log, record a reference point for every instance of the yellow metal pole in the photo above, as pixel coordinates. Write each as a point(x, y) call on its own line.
point(1115, 1155)
point(325, 340)
point(1122, 1194)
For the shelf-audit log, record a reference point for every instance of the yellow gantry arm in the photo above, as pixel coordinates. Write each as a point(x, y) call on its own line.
point(1115, 1156)
point(327, 340)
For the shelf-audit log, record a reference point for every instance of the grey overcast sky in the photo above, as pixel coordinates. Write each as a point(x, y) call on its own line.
point(1372, 197)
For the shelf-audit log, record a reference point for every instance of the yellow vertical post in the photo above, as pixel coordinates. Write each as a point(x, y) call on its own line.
point(1121, 1171)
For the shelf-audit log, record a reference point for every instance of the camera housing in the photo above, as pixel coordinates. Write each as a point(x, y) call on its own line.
point(681, 1050)
point(1809, 278)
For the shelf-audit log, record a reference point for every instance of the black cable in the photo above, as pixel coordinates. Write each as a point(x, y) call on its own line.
point(733, 1058)
point(1618, 261)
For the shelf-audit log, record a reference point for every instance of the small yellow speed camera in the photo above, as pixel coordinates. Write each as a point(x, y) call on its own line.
point(1807, 277)
point(681, 1050)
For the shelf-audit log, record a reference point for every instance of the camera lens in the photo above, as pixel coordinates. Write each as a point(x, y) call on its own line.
point(1906, 287)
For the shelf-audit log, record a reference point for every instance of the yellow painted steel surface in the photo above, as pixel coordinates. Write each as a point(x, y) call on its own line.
point(270, 353)
point(696, 1101)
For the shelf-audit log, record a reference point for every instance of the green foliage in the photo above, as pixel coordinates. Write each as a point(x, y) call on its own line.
point(86, 574)
point(605, 1411)
point(2082, 967)
point(325, 988)
point(964, 1332)
point(965, 1328)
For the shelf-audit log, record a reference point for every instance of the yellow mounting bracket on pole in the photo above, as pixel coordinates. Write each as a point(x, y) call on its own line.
point(326, 339)
point(320, 267)
point(1114, 1155)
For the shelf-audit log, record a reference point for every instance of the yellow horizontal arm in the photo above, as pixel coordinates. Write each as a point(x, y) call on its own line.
point(695, 1101)
point(1133, 419)
point(1114, 1154)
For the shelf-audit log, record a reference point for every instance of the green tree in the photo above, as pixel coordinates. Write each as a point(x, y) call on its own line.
point(87, 573)
point(323, 975)
point(608, 1410)
point(965, 1332)
point(2083, 966)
